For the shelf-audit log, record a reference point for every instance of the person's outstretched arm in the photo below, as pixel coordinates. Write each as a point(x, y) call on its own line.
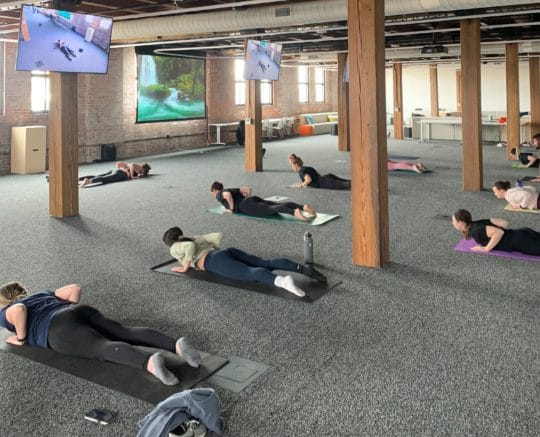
point(501, 223)
point(17, 315)
point(71, 293)
point(495, 235)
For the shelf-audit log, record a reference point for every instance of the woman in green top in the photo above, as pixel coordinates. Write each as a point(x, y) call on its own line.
point(202, 252)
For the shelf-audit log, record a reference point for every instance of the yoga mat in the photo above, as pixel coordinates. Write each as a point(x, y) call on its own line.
point(287, 218)
point(132, 382)
point(509, 208)
point(518, 165)
point(314, 290)
point(402, 158)
point(529, 178)
point(410, 171)
point(276, 198)
point(466, 246)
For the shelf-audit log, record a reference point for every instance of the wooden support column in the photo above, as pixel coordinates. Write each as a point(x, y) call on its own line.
point(434, 90)
point(471, 106)
point(253, 134)
point(370, 229)
point(512, 98)
point(398, 101)
point(63, 140)
point(458, 90)
point(534, 80)
point(343, 105)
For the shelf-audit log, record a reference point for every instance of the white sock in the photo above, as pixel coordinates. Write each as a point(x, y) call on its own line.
point(287, 283)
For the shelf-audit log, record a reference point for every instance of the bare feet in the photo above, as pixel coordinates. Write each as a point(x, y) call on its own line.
point(422, 167)
point(85, 182)
point(416, 168)
point(310, 210)
point(298, 214)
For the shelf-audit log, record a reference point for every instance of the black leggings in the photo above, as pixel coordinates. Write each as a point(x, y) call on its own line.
point(82, 331)
point(115, 175)
point(236, 264)
point(259, 207)
point(332, 182)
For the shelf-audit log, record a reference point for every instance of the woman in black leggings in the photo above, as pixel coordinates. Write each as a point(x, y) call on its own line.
point(53, 319)
point(121, 172)
point(202, 252)
point(241, 200)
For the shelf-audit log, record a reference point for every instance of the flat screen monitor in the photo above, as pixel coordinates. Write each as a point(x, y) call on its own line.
point(170, 88)
point(62, 41)
point(263, 59)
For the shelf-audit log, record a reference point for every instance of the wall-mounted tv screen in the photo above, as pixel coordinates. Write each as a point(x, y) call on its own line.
point(170, 88)
point(262, 60)
point(62, 41)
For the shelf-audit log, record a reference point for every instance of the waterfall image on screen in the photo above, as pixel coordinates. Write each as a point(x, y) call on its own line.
point(170, 88)
point(262, 60)
point(54, 40)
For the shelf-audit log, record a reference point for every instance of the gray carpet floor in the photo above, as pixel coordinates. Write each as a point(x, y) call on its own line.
point(435, 343)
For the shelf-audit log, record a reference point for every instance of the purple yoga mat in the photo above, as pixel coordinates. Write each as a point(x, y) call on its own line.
point(466, 246)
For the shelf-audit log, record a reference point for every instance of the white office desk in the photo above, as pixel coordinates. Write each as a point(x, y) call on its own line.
point(492, 130)
point(218, 129)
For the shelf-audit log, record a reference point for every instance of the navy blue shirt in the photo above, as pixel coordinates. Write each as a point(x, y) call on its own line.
point(40, 309)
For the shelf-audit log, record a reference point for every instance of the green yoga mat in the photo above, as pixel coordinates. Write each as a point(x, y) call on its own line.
point(319, 220)
point(518, 165)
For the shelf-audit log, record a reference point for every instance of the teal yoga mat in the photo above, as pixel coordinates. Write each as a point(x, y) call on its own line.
point(402, 158)
point(409, 171)
point(319, 220)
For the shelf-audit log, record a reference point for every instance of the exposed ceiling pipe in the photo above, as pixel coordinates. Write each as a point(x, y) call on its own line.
point(322, 11)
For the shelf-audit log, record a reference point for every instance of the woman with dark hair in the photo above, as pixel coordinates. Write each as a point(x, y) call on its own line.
point(122, 172)
point(311, 177)
point(241, 200)
point(202, 252)
point(527, 159)
point(493, 234)
point(519, 197)
point(54, 319)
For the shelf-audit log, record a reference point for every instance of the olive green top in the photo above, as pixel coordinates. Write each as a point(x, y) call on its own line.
point(194, 250)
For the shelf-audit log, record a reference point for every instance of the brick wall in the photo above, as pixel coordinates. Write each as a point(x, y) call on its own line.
point(108, 104)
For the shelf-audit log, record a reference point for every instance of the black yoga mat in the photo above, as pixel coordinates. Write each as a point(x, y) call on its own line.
point(132, 382)
point(314, 290)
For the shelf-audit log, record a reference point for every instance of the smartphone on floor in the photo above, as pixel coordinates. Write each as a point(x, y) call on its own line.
point(99, 415)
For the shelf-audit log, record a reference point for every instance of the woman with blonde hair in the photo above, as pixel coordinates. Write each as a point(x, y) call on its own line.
point(54, 319)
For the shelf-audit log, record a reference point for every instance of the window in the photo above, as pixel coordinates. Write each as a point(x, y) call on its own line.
point(240, 86)
point(303, 84)
point(40, 94)
point(319, 84)
point(266, 92)
point(239, 83)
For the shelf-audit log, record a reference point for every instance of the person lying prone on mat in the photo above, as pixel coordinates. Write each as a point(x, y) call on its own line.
point(202, 252)
point(311, 177)
point(241, 200)
point(121, 172)
point(524, 197)
point(493, 234)
point(527, 159)
point(54, 319)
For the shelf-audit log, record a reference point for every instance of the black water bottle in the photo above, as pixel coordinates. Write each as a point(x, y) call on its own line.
point(308, 249)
